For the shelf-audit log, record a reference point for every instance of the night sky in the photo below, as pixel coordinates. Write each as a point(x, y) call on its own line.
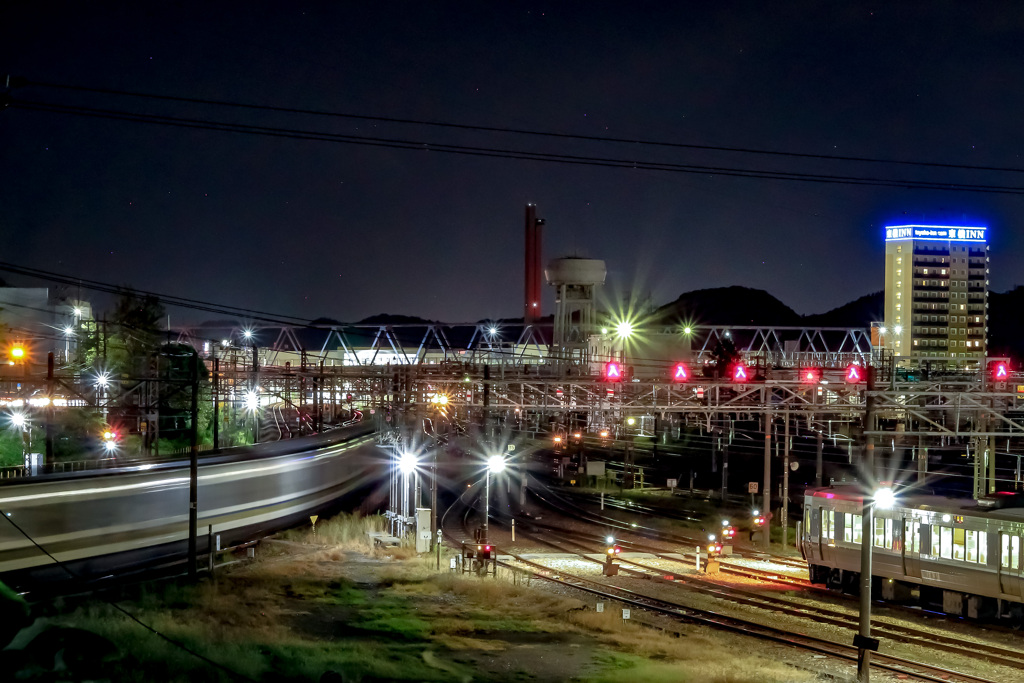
point(313, 228)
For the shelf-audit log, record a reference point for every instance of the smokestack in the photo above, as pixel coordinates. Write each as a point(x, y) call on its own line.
point(531, 301)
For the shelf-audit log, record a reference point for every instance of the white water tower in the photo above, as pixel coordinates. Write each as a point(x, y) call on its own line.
point(576, 281)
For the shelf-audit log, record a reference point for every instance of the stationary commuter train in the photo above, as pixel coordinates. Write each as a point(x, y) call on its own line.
point(961, 556)
point(104, 522)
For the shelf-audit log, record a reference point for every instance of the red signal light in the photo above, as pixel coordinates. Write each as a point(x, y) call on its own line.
point(810, 376)
point(739, 373)
point(487, 548)
point(854, 374)
point(612, 371)
point(680, 373)
point(1000, 372)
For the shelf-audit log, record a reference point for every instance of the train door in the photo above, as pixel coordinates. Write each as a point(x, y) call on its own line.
point(1009, 564)
point(912, 548)
point(810, 529)
point(827, 534)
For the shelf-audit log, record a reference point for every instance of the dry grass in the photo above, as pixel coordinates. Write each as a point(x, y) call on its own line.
point(417, 621)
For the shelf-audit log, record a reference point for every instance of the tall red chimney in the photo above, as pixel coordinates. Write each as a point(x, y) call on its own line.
point(532, 279)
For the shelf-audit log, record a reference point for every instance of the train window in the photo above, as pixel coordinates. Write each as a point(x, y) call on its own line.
point(912, 535)
point(807, 524)
point(889, 534)
point(852, 528)
point(828, 526)
point(976, 550)
point(946, 544)
point(1009, 558)
point(879, 532)
point(959, 543)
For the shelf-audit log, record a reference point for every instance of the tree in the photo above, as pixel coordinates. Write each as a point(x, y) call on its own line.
point(725, 356)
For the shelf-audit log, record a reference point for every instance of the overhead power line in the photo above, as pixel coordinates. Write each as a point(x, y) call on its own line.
point(513, 131)
point(549, 157)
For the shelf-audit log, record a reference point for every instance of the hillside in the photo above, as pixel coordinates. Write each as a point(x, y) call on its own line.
point(727, 306)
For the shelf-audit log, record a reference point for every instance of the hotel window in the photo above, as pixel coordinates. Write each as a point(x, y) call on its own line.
point(943, 271)
point(899, 307)
point(925, 271)
point(899, 249)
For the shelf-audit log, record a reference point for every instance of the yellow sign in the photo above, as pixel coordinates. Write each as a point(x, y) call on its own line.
point(313, 518)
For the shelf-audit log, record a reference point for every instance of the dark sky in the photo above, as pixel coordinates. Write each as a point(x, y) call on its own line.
point(315, 228)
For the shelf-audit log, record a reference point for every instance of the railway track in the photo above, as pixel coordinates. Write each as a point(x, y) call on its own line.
point(882, 661)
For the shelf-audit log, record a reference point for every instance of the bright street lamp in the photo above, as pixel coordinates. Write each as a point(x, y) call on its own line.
point(624, 329)
point(18, 419)
point(407, 463)
point(495, 464)
point(252, 401)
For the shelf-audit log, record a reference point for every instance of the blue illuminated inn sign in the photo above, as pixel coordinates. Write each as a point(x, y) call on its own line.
point(945, 233)
point(936, 295)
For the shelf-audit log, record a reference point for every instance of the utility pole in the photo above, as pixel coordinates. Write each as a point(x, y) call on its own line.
point(818, 459)
point(785, 485)
point(216, 403)
point(193, 470)
point(863, 641)
point(767, 493)
point(49, 409)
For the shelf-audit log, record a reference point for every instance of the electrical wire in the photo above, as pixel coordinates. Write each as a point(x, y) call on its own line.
point(181, 646)
point(525, 155)
point(507, 130)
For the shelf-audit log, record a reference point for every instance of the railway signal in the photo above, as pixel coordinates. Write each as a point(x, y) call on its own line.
point(810, 375)
point(854, 374)
point(739, 373)
point(611, 567)
point(110, 440)
point(680, 373)
point(1000, 372)
point(612, 371)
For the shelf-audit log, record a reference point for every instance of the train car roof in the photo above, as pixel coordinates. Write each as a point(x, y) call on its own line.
point(1001, 505)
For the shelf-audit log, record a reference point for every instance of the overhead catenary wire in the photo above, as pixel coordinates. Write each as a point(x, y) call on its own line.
point(504, 153)
point(509, 130)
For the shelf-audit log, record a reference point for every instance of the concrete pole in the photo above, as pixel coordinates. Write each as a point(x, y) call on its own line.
point(867, 524)
point(785, 485)
point(818, 474)
point(767, 492)
point(487, 504)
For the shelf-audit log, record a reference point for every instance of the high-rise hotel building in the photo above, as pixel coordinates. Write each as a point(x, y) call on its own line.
point(936, 294)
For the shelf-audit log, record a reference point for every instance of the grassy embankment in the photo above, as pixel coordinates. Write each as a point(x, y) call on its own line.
point(333, 603)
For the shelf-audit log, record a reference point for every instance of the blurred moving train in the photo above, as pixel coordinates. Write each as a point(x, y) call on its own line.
point(102, 522)
point(961, 556)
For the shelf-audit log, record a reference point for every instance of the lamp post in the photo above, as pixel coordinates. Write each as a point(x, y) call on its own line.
point(495, 464)
point(407, 466)
point(883, 499)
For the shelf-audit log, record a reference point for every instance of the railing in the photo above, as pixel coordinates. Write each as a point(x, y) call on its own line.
point(66, 466)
